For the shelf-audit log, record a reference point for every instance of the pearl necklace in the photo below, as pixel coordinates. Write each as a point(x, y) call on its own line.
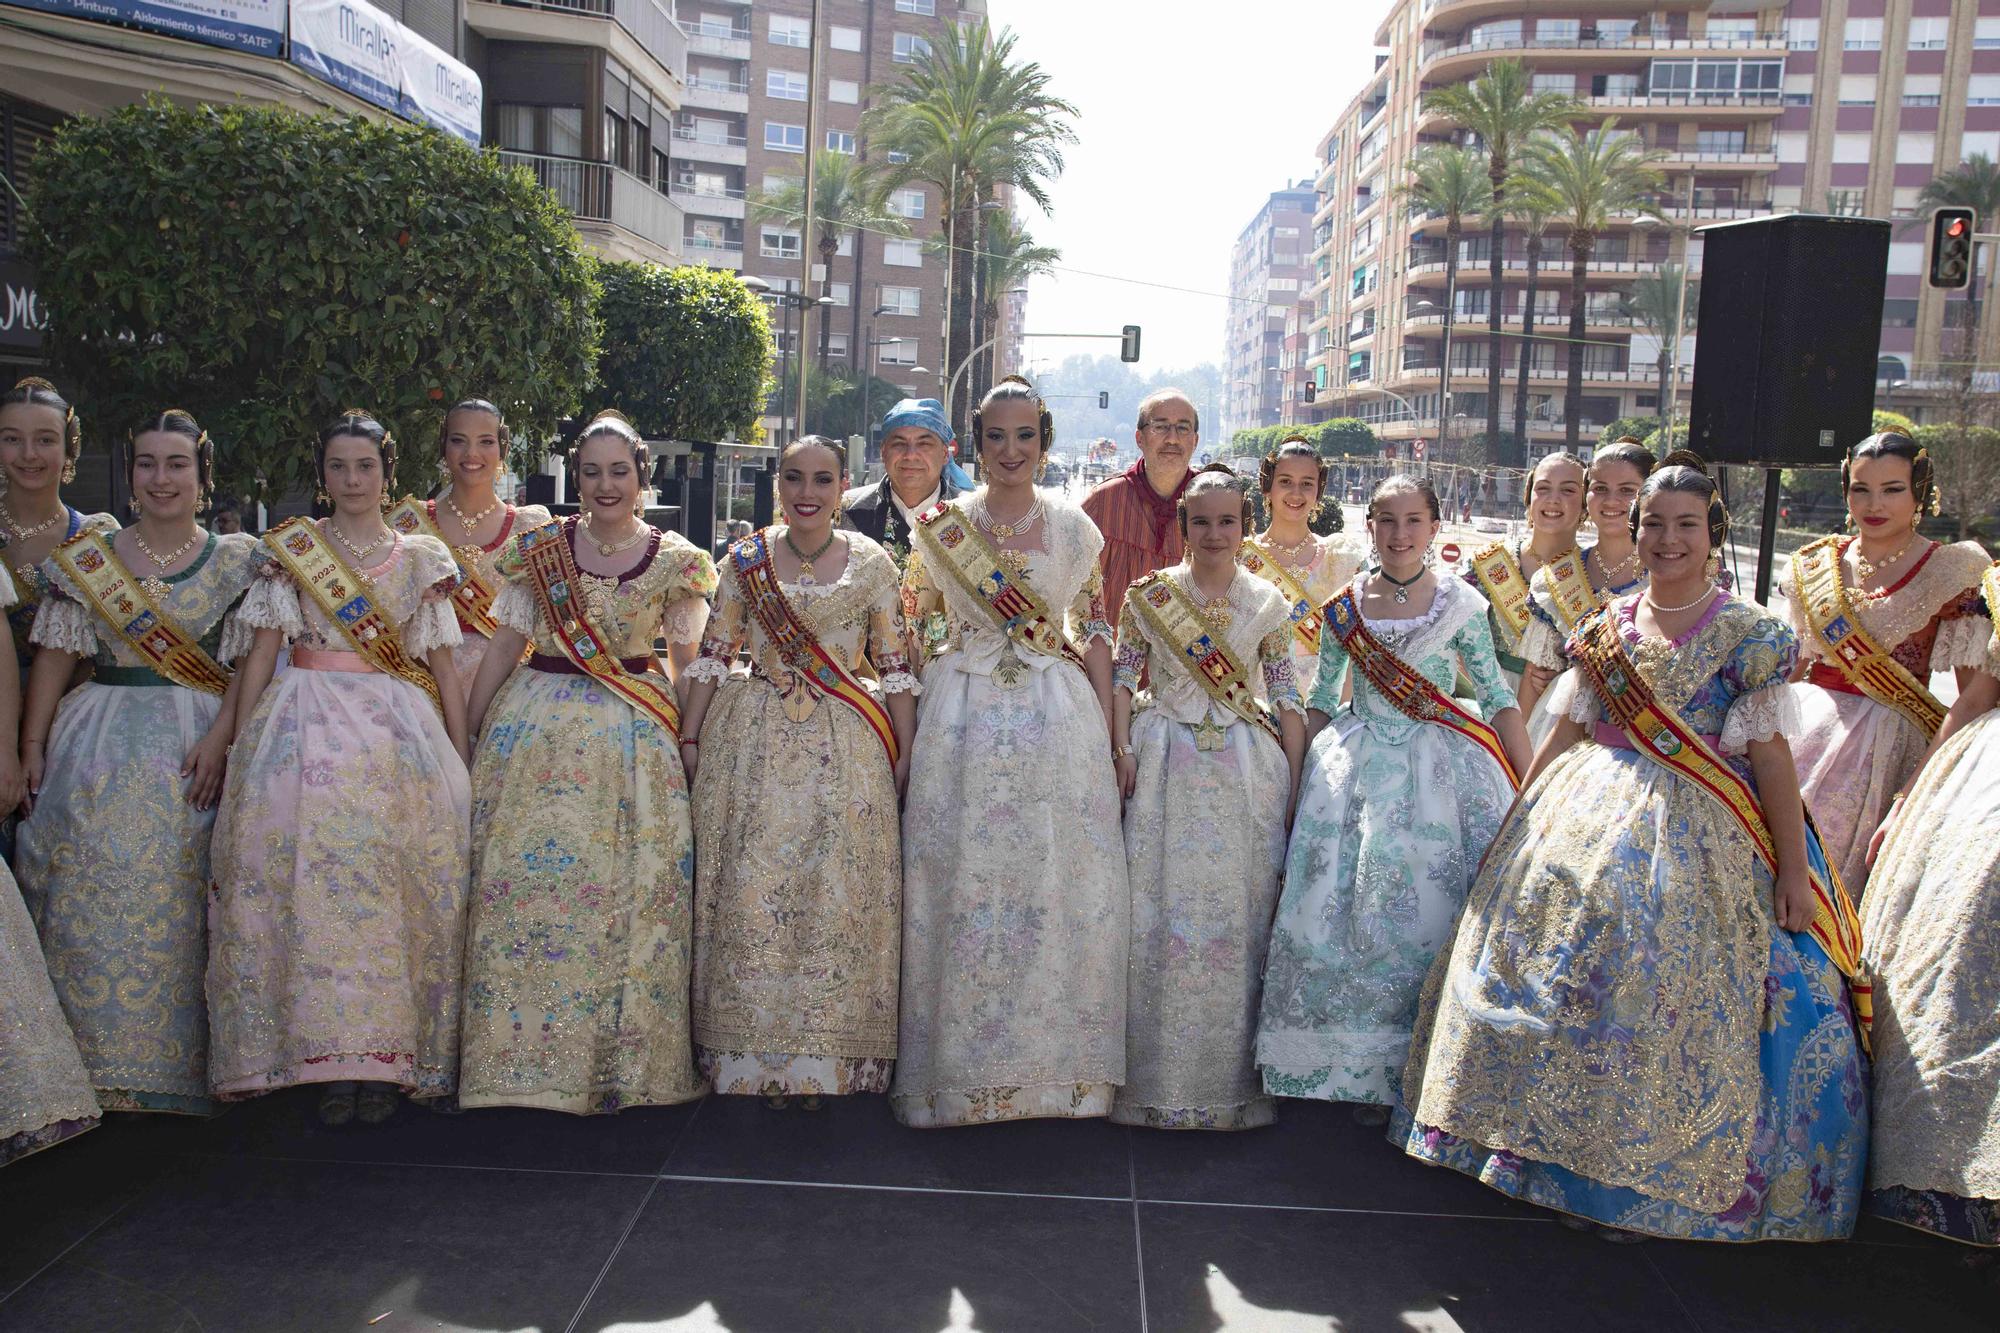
point(156, 586)
point(1675, 610)
point(1290, 554)
point(360, 553)
point(1018, 528)
point(22, 532)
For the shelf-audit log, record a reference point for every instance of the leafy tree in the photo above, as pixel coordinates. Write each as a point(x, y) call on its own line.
point(1502, 110)
point(687, 352)
point(847, 199)
point(1530, 206)
point(1448, 183)
point(1975, 184)
point(265, 269)
point(1638, 427)
point(1893, 421)
point(836, 406)
point(1967, 463)
point(1585, 180)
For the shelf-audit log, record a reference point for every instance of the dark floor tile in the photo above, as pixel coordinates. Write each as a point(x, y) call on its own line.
point(1829, 1288)
point(787, 1258)
point(1315, 1157)
point(1210, 1268)
point(286, 1124)
point(855, 1141)
point(51, 1200)
point(255, 1246)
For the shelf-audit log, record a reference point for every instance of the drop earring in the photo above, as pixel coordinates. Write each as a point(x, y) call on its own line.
point(69, 471)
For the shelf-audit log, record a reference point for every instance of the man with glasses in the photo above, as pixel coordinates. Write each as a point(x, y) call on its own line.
point(1135, 509)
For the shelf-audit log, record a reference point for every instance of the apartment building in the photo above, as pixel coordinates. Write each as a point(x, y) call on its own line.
point(1269, 266)
point(1844, 104)
point(742, 131)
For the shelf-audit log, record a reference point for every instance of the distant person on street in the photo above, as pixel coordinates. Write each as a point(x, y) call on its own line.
point(1135, 509)
point(917, 441)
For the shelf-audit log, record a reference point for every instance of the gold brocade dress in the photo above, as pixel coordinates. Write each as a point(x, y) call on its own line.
point(799, 876)
point(114, 861)
point(470, 556)
point(577, 948)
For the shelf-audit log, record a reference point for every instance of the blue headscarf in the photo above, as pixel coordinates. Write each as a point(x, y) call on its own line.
point(928, 414)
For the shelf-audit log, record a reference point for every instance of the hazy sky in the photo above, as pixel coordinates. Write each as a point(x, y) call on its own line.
point(1185, 129)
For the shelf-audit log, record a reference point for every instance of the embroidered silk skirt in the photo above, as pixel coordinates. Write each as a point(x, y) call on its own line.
point(44, 1090)
point(1852, 757)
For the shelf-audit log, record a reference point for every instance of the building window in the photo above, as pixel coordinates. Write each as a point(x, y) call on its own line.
point(554, 130)
point(903, 253)
point(784, 84)
point(1720, 141)
point(842, 293)
point(903, 300)
point(907, 203)
point(836, 345)
point(782, 138)
point(1863, 35)
point(844, 39)
point(787, 31)
point(615, 141)
point(1558, 30)
point(1857, 90)
point(896, 158)
point(843, 90)
point(909, 48)
point(1927, 34)
point(902, 353)
point(1802, 34)
point(927, 7)
point(846, 247)
point(778, 243)
point(1985, 34)
point(1555, 83)
point(840, 141)
point(777, 182)
point(1732, 28)
point(1983, 90)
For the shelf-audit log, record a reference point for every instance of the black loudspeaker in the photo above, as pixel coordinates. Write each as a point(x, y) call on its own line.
point(1790, 329)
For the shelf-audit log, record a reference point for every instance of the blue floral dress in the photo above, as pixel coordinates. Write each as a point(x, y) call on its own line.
point(1620, 1030)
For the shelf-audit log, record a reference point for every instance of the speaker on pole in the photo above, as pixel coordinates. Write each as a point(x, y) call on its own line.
point(1788, 337)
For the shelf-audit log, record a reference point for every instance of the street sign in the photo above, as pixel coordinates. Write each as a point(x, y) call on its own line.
point(1449, 552)
point(1418, 450)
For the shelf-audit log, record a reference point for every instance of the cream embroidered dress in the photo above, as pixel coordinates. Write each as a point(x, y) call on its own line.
point(114, 861)
point(471, 556)
point(1330, 565)
point(1854, 753)
point(45, 1094)
point(1542, 641)
point(577, 950)
point(1204, 851)
point(1619, 1029)
point(340, 852)
point(1393, 817)
point(1931, 938)
point(1015, 904)
point(798, 877)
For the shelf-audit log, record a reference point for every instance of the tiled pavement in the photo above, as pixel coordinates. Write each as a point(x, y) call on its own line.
point(727, 1216)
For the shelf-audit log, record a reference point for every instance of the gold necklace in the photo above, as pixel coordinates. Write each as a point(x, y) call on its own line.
point(1616, 576)
point(22, 532)
point(156, 586)
point(469, 523)
point(1865, 569)
point(613, 548)
point(806, 578)
point(359, 553)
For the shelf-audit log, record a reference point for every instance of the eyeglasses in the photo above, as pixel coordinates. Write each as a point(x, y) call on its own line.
point(1180, 430)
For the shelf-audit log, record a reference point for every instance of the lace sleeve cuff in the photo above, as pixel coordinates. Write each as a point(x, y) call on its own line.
point(1570, 698)
point(684, 620)
point(237, 638)
point(273, 603)
point(1542, 645)
point(514, 606)
point(1761, 715)
point(1282, 687)
point(1097, 631)
point(901, 682)
point(434, 625)
point(1128, 665)
point(63, 625)
point(707, 668)
point(1961, 642)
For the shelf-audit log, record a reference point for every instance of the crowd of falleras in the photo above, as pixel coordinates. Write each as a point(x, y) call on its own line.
point(1011, 807)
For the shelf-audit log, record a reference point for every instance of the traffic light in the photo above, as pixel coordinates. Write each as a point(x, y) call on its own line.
point(1129, 349)
point(1103, 400)
point(1312, 391)
point(1951, 247)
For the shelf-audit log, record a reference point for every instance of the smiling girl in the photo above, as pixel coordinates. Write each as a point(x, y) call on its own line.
point(1306, 568)
point(1502, 570)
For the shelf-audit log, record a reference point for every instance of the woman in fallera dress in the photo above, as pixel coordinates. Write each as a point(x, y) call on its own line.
point(1876, 614)
point(1565, 590)
point(1306, 568)
point(1208, 760)
point(1643, 1020)
point(340, 852)
point(797, 767)
point(1403, 790)
point(124, 771)
point(1931, 923)
point(469, 517)
point(1503, 570)
point(1015, 904)
point(577, 952)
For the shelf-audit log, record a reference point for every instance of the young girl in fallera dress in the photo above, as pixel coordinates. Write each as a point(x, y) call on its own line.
point(1306, 568)
point(798, 765)
point(340, 853)
point(1503, 569)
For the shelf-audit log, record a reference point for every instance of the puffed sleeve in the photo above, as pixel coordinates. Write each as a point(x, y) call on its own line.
point(515, 605)
point(1474, 642)
point(1569, 695)
point(1332, 664)
point(1542, 642)
point(1281, 684)
point(1128, 660)
point(433, 624)
point(691, 584)
point(1765, 708)
point(62, 621)
point(1963, 633)
point(889, 635)
point(1795, 613)
point(1089, 617)
point(272, 603)
point(725, 631)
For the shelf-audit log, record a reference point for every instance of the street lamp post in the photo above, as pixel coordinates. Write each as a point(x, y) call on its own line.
point(1671, 408)
point(869, 344)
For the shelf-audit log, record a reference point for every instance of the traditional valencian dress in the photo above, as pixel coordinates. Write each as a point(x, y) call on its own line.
point(1204, 843)
point(1620, 1030)
point(798, 883)
point(1866, 704)
point(577, 951)
point(1931, 925)
point(1495, 570)
point(1015, 904)
point(1394, 814)
point(114, 862)
point(1331, 563)
point(480, 583)
point(340, 851)
point(1561, 594)
point(45, 1094)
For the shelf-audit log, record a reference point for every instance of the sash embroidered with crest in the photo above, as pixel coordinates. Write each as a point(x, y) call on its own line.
point(951, 542)
point(345, 598)
point(1569, 585)
point(119, 599)
point(556, 580)
point(1499, 575)
point(1850, 649)
point(1170, 613)
point(1305, 615)
point(796, 645)
point(472, 600)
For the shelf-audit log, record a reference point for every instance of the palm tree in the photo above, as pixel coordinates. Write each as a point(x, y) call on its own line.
point(1450, 183)
point(1502, 110)
point(1656, 301)
point(1585, 180)
point(1008, 257)
point(848, 200)
point(1974, 184)
point(1529, 208)
point(969, 118)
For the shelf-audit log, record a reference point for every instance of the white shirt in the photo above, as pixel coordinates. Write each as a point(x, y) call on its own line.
point(909, 514)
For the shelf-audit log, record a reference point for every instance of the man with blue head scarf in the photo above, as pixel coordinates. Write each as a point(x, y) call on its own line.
point(917, 440)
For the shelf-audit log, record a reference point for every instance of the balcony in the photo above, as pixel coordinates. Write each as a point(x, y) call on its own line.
point(708, 201)
point(1448, 62)
point(691, 145)
point(711, 94)
point(719, 40)
point(1691, 158)
point(1553, 322)
point(712, 254)
point(620, 215)
point(640, 34)
point(1555, 267)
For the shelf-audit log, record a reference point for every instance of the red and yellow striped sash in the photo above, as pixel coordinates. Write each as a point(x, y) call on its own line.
point(346, 598)
point(122, 602)
point(1850, 649)
point(553, 574)
point(1298, 602)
